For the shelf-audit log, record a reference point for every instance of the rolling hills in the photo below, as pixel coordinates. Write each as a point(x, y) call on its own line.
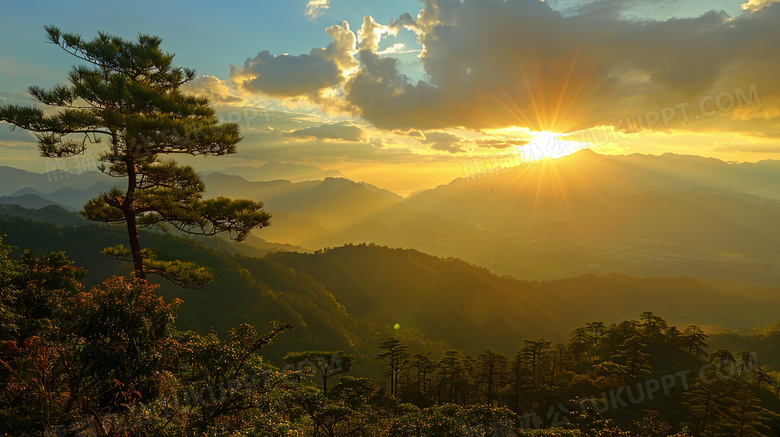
point(349, 297)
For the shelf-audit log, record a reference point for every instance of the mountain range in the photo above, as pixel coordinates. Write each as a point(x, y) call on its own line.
point(352, 297)
point(641, 215)
point(272, 170)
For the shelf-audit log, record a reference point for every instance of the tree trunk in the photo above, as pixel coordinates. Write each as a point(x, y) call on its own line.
point(135, 245)
point(552, 372)
point(128, 208)
point(706, 411)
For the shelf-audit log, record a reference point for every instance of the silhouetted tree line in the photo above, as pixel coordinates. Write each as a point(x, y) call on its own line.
point(108, 360)
point(723, 394)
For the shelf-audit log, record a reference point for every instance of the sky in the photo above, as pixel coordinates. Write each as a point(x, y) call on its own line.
point(408, 95)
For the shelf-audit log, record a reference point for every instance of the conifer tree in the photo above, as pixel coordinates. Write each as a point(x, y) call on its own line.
point(579, 343)
point(722, 360)
point(128, 93)
point(326, 363)
point(597, 330)
point(672, 336)
point(532, 354)
point(694, 340)
point(631, 354)
point(652, 324)
point(425, 366)
point(491, 365)
point(744, 416)
point(396, 355)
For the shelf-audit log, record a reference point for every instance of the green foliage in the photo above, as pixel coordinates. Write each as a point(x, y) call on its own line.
point(633, 357)
point(74, 343)
point(185, 274)
point(110, 358)
point(322, 363)
point(244, 289)
point(129, 362)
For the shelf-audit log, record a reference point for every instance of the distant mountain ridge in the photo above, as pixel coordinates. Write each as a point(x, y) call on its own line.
point(642, 215)
point(30, 200)
point(586, 213)
point(12, 180)
point(273, 170)
point(72, 197)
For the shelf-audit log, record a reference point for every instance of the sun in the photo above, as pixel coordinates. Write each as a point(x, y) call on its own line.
point(547, 144)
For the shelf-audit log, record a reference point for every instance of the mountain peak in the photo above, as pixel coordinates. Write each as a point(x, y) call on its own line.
point(337, 180)
point(275, 170)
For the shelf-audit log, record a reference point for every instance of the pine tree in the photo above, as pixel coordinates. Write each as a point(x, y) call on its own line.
point(532, 354)
point(518, 378)
point(490, 365)
point(744, 415)
point(560, 349)
point(694, 340)
point(596, 330)
point(129, 94)
point(326, 363)
point(579, 343)
point(396, 356)
point(632, 355)
point(763, 375)
point(706, 400)
point(747, 363)
point(672, 336)
point(425, 366)
point(652, 324)
point(723, 359)
point(454, 376)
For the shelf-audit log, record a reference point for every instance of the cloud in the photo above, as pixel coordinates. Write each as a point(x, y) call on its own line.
point(382, 95)
point(16, 140)
point(397, 48)
point(264, 145)
point(748, 148)
point(444, 147)
point(371, 32)
point(12, 134)
point(285, 75)
point(443, 142)
point(343, 48)
point(613, 9)
point(343, 131)
point(406, 21)
point(212, 87)
point(290, 75)
point(497, 143)
point(16, 146)
point(492, 64)
point(315, 8)
point(757, 5)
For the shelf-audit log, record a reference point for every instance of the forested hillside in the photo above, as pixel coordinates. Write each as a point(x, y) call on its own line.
point(110, 359)
point(348, 296)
